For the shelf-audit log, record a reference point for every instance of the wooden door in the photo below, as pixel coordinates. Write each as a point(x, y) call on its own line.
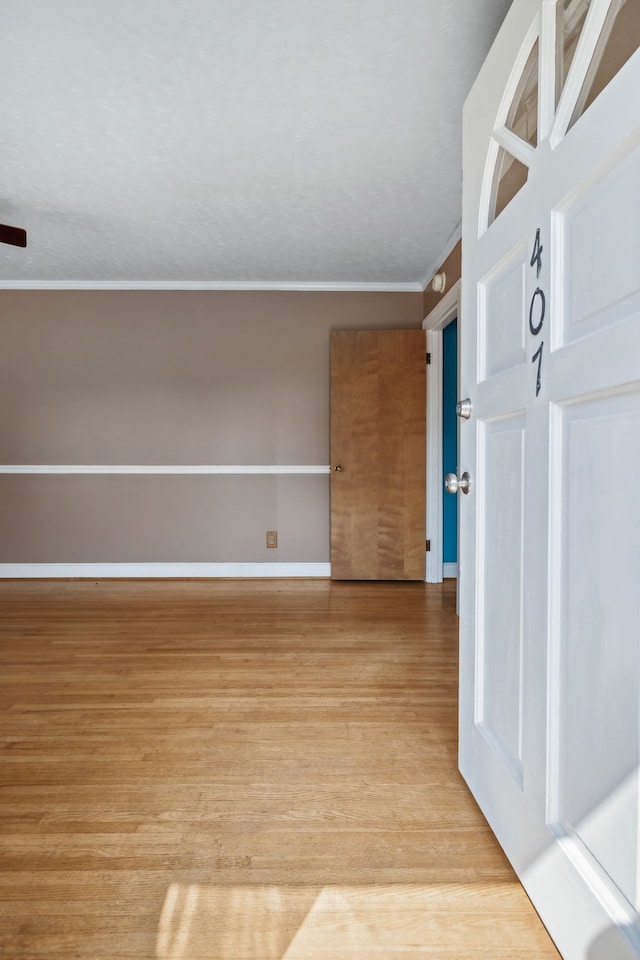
point(378, 434)
point(549, 652)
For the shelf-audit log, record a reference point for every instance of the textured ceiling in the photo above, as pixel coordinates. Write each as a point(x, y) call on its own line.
point(234, 141)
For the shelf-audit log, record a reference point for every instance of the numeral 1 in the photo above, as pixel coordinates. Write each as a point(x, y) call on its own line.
point(538, 356)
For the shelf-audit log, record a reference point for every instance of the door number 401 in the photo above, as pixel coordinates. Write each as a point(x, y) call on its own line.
point(537, 308)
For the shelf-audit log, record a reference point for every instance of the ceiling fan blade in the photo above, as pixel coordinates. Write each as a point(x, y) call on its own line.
point(16, 236)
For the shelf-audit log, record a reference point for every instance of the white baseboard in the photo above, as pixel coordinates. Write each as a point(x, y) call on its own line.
point(199, 469)
point(450, 571)
point(99, 571)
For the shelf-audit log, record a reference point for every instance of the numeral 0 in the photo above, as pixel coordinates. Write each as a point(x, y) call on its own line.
point(538, 295)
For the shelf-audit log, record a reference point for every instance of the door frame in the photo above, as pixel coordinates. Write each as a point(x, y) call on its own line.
point(434, 323)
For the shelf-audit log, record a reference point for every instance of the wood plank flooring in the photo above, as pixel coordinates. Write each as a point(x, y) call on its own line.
point(242, 770)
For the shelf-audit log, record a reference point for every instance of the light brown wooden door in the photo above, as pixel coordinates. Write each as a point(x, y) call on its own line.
point(378, 435)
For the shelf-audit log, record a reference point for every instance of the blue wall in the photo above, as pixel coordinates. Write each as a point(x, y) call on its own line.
point(450, 438)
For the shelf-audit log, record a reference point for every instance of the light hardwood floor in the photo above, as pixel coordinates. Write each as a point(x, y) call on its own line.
point(246, 770)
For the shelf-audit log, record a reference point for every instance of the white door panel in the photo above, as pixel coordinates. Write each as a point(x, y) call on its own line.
point(501, 343)
point(500, 624)
point(596, 676)
point(550, 531)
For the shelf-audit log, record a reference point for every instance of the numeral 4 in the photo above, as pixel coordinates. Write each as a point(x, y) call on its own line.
point(536, 256)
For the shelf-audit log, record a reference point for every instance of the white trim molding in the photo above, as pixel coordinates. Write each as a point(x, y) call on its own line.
point(447, 309)
point(434, 457)
point(181, 470)
point(450, 571)
point(434, 323)
point(101, 571)
point(230, 285)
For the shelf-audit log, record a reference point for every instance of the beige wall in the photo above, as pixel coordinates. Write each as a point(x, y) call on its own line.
point(177, 377)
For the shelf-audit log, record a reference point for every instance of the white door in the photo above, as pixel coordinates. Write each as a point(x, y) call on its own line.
point(550, 528)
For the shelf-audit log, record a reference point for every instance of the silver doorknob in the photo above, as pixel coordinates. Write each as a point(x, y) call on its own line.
point(338, 469)
point(464, 408)
point(452, 484)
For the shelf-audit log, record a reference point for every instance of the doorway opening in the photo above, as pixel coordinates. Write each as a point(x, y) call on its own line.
point(449, 447)
point(442, 318)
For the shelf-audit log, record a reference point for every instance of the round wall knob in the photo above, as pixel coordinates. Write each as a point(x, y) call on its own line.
point(452, 484)
point(439, 282)
point(338, 468)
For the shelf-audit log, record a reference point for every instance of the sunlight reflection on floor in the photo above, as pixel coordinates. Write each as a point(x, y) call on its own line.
point(345, 923)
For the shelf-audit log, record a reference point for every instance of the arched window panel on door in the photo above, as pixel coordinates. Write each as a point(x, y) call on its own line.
point(571, 17)
point(509, 177)
point(515, 135)
point(522, 118)
point(619, 40)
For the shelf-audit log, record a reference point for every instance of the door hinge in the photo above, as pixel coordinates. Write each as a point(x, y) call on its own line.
point(428, 359)
point(427, 545)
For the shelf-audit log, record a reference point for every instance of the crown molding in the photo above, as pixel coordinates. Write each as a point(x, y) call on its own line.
point(223, 285)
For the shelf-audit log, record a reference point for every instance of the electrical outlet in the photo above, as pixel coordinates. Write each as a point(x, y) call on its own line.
point(272, 539)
